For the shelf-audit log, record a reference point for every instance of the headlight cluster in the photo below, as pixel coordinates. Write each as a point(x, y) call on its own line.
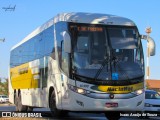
point(78, 90)
point(148, 105)
point(138, 92)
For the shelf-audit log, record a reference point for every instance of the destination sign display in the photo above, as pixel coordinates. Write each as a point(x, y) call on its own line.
point(90, 28)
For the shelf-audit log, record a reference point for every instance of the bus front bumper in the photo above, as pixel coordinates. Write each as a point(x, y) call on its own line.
point(78, 102)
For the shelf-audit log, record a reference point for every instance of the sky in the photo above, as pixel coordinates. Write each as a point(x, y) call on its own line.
point(30, 14)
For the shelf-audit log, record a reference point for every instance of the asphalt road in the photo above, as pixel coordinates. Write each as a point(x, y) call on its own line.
point(46, 115)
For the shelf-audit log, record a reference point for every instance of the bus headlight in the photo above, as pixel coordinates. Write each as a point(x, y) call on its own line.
point(78, 90)
point(138, 92)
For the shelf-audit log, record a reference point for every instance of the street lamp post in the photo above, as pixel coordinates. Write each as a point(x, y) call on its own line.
point(148, 31)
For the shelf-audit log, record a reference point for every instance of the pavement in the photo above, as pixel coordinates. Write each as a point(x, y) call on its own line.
point(6, 104)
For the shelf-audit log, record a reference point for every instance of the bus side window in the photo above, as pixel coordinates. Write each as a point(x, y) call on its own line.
point(64, 59)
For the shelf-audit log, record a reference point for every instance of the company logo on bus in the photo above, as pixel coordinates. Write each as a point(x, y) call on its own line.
point(118, 89)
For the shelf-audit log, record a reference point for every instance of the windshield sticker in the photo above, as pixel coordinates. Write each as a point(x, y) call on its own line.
point(115, 76)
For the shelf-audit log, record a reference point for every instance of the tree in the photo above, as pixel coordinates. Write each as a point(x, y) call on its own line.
point(4, 86)
point(1, 86)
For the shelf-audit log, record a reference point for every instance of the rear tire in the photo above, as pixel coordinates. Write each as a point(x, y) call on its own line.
point(29, 109)
point(19, 106)
point(16, 101)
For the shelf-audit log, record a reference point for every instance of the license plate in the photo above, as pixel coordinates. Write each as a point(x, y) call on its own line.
point(109, 105)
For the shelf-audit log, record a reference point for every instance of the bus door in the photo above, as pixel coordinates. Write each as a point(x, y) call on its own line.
point(64, 75)
point(43, 80)
point(62, 60)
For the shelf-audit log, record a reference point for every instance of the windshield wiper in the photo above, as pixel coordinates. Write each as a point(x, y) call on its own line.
point(106, 61)
point(115, 61)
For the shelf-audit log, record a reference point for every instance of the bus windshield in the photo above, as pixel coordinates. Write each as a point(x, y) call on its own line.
point(107, 53)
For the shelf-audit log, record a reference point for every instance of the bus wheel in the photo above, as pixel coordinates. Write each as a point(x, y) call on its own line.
point(21, 107)
point(16, 102)
point(29, 109)
point(112, 115)
point(53, 108)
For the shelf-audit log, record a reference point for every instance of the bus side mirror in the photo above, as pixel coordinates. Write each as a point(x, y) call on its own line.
point(67, 42)
point(152, 45)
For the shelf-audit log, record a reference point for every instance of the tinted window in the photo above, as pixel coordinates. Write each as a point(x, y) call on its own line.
point(64, 60)
point(62, 56)
point(4, 97)
point(48, 38)
point(37, 47)
point(152, 95)
point(122, 38)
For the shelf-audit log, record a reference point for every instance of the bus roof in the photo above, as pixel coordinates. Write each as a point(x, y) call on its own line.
point(93, 18)
point(79, 17)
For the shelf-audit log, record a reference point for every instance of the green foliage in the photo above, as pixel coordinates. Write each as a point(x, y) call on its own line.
point(4, 87)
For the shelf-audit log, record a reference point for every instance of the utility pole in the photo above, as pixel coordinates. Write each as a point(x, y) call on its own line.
point(148, 31)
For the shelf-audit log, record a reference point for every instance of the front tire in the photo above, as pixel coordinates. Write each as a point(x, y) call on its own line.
point(112, 115)
point(56, 112)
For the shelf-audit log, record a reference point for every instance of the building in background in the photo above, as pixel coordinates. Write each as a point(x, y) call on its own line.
point(153, 84)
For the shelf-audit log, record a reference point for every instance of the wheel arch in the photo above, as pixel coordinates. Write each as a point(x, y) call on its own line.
point(51, 89)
